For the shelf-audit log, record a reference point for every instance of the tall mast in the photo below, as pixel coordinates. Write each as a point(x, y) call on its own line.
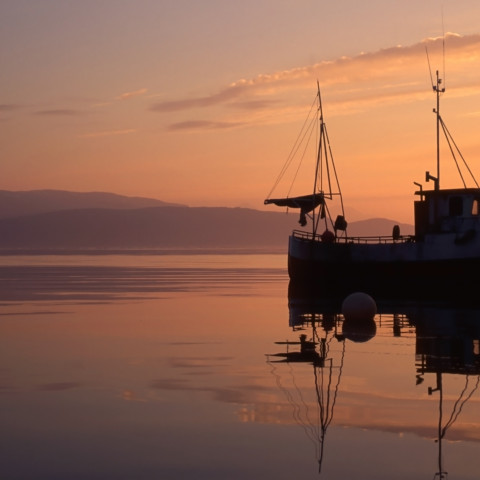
point(438, 91)
point(319, 154)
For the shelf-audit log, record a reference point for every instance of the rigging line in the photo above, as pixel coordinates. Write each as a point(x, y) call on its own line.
point(285, 167)
point(335, 172)
point(286, 392)
point(330, 407)
point(296, 144)
point(297, 410)
point(449, 135)
point(295, 147)
point(323, 150)
point(325, 147)
point(295, 407)
point(328, 154)
point(338, 381)
point(448, 138)
point(306, 424)
point(302, 157)
point(320, 437)
point(328, 411)
point(327, 345)
point(302, 141)
point(429, 67)
point(319, 387)
point(313, 431)
point(311, 426)
point(319, 390)
point(455, 413)
point(327, 217)
point(323, 403)
point(319, 152)
point(320, 137)
point(278, 381)
point(316, 335)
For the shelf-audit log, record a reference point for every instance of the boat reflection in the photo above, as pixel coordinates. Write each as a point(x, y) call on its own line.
point(327, 372)
point(447, 342)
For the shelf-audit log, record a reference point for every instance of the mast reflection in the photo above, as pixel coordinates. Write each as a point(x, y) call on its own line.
point(325, 328)
point(447, 342)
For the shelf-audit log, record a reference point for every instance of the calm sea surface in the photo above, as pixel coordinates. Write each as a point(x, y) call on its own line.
point(163, 367)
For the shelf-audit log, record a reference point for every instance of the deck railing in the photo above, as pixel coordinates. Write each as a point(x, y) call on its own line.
point(309, 236)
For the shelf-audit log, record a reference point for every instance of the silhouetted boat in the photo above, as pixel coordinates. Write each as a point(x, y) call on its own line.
point(443, 254)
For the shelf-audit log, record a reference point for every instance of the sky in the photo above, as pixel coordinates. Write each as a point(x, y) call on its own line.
point(200, 102)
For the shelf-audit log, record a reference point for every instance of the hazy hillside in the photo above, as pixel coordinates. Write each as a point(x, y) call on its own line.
point(13, 204)
point(154, 227)
point(28, 224)
point(377, 226)
point(160, 227)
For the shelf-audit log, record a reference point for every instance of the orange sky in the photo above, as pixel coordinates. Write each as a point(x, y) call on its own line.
point(201, 105)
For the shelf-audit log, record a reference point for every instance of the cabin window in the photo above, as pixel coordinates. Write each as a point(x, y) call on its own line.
point(476, 207)
point(455, 206)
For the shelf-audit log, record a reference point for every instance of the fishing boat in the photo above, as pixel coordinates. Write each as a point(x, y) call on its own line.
point(442, 255)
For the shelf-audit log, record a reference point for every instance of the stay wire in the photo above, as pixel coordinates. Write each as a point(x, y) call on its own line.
point(296, 146)
point(429, 67)
point(451, 141)
point(459, 404)
point(310, 129)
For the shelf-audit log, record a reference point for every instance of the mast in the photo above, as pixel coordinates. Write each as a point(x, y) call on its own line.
point(319, 156)
point(324, 167)
point(438, 91)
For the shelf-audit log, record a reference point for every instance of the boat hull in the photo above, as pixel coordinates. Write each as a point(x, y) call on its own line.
point(394, 268)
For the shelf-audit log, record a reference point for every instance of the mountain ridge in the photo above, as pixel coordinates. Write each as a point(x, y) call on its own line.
point(16, 203)
point(162, 226)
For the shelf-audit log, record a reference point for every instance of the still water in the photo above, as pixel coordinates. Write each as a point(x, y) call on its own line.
point(174, 367)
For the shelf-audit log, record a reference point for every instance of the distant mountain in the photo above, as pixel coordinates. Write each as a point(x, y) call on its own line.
point(162, 227)
point(154, 227)
point(16, 203)
point(377, 226)
point(68, 226)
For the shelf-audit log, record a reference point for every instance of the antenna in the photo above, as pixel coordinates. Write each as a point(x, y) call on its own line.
point(443, 47)
point(438, 90)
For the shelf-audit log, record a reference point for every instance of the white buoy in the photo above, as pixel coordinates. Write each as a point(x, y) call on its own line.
point(359, 306)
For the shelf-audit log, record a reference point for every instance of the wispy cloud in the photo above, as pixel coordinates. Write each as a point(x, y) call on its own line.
point(226, 95)
point(395, 74)
point(122, 97)
point(108, 133)
point(128, 95)
point(58, 386)
point(202, 125)
point(8, 107)
point(61, 112)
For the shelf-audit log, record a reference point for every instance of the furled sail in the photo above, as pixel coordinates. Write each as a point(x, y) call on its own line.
point(305, 203)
